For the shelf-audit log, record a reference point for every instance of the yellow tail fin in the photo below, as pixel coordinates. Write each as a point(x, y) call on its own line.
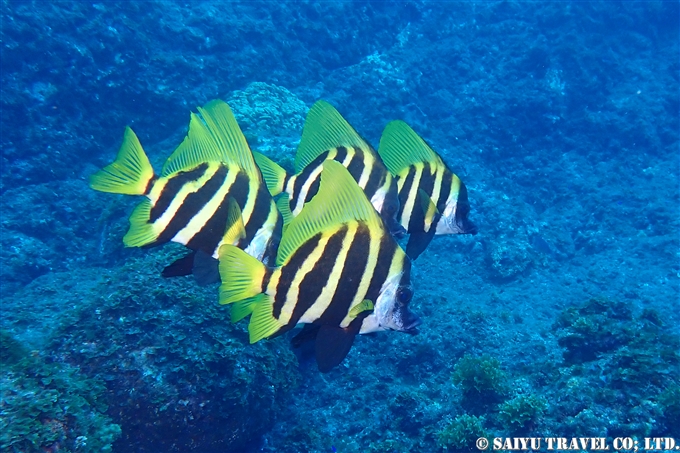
point(129, 174)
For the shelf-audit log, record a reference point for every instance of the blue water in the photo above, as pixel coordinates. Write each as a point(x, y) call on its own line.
point(559, 319)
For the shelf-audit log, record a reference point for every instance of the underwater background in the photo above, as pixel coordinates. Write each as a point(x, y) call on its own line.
point(559, 319)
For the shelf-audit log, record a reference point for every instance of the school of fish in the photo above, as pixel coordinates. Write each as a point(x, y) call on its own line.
point(317, 247)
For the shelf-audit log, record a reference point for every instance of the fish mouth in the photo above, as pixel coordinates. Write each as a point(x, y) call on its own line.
point(466, 227)
point(412, 327)
point(396, 230)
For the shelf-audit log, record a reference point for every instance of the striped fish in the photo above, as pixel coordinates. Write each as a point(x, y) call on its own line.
point(190, 201)
point(432, 199)
point(338, 269)
point(328, 136)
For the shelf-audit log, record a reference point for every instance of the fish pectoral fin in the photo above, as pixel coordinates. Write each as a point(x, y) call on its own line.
point(333, 344)
point(206, 269)
point(365, 306)
point(180, 267)
point(430, 210)
point(129, 174)
point(235, 229)
point(273, 174)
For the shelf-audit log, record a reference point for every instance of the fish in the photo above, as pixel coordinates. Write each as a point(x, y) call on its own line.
point(327, 135)
point(432, 199)
point(190, 202)
point(338, 271)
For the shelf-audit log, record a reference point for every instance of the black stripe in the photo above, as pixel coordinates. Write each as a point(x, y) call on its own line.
point(382, 267)
point(445, 190)
point(426, 183)
point(172, 187)
point(313, 283)
point(269, 257)
point(405, 189)
point(301, 179)
point(266, 279)
point(376, 179)
point(289, 270)
point(340, 154)
point(427, 180)
point(350, 278)
point(313, 189)
point(356, 164)
point(192, 204)
point(261, 210)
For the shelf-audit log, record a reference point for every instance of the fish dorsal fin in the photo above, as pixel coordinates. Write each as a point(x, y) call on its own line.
point(339, 200)
point(400, 147)
point(214, 136)
point(274, 175)
point(324, 129)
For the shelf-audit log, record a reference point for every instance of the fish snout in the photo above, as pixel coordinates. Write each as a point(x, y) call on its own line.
point(410, 321)
point(469, 228)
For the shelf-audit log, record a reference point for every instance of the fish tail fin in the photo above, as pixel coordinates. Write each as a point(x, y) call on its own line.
point(263, 324)
point(241, 274)
point(129, 174)
point(141, 232)
point(273, 174)
point(243, 308)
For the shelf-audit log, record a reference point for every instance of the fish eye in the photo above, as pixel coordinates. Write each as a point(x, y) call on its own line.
point(404, 294)
point(390, 208)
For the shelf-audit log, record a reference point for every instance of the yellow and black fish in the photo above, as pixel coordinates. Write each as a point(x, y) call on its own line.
point(327, 135)
point(432, 199)
point(189, 202)
point(338, 269)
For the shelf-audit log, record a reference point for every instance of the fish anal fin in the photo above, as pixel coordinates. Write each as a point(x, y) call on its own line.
point(308, 333)
point(418, 242)
point(180, 267)
point(333, 343)
point(206, 269)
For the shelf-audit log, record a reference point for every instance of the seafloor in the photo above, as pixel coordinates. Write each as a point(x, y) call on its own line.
point(559, 319)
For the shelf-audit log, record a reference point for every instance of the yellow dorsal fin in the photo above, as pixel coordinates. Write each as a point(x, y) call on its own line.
point(339, 200)
point(274, 175)
point(400, 147)
point(235, 229)
point(213, 137)
point(324, 129)
point(227, 133)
